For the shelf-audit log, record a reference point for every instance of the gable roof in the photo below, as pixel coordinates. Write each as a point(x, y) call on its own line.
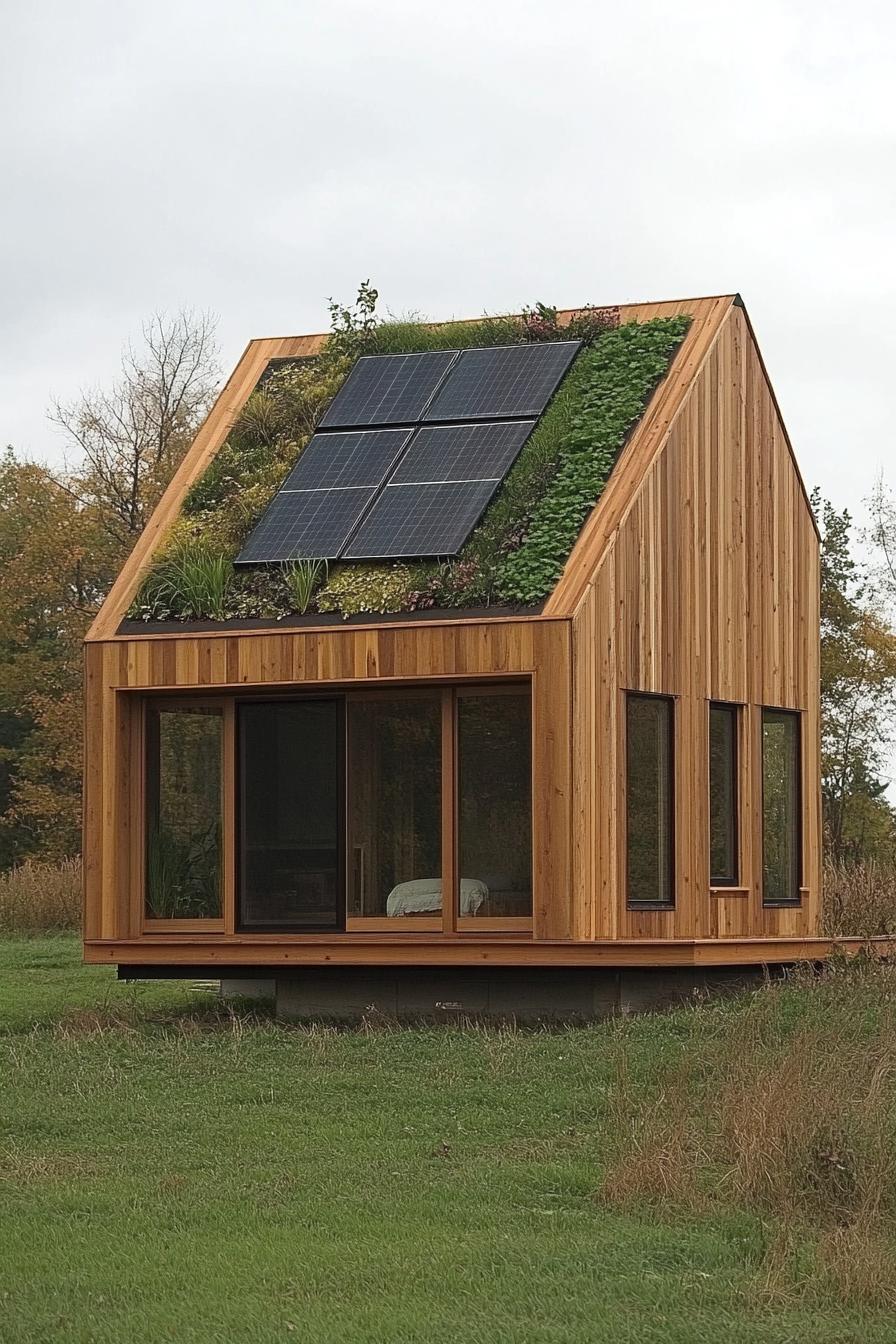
point(644, 443)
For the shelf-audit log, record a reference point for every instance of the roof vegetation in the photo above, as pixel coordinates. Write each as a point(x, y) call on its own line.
point(517, 552)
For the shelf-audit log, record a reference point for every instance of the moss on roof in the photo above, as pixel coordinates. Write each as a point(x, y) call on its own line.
point(515, 554)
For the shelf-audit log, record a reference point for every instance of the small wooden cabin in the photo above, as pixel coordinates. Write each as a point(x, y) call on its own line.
point(624, 774)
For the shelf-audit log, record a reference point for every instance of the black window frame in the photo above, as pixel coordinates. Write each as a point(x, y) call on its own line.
point(772, 712)
point(633, 903)
point(735, 712)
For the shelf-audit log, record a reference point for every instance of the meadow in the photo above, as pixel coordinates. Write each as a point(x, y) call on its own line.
point(172, 1167)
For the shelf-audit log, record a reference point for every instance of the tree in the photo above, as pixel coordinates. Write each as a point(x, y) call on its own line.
point(63, 538)
point(131, 437)
point(858, 692)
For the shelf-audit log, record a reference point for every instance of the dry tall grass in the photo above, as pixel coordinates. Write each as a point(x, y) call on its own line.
point(788, 1110)
point(859, 899)
point(41, 898)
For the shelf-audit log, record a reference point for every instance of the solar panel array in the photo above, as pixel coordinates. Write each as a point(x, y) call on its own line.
point(409, 453)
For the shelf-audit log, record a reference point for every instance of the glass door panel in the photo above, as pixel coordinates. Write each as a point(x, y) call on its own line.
point(494, 803)
point(290, 815)
point(184, 812)
point(394, 810)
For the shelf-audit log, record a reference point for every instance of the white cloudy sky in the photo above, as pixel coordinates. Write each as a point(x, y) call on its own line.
point(255, 158)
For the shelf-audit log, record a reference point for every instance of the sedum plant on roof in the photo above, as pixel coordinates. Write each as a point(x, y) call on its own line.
point(516, 553)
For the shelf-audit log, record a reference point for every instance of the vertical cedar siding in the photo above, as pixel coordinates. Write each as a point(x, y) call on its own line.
point(696, 577)
point(705, 587)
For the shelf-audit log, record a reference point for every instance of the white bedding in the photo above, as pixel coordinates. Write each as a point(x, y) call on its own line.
point(424, 896)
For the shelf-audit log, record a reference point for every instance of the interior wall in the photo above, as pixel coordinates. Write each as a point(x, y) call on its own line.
point(708, 589)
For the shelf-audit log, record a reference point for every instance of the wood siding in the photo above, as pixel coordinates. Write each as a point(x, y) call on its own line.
point(704, 588)
point(696, 577)
point(118, 670)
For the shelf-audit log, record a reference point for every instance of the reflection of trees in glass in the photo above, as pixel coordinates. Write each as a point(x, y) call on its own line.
point(649, 798)
point(183, 860)
point(495, 794)
point(723, 793)
point(780, 806)
point(395, 796)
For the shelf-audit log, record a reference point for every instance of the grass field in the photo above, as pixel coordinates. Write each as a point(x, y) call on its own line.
point(173, 1171)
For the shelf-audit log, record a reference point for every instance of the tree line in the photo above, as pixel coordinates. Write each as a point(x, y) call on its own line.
point(65, 532)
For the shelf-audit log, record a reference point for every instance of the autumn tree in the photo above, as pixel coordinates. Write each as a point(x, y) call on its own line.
point(858, 692)
point(63, 537)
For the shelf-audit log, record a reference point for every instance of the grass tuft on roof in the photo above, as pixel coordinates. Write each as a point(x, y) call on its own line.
point(518, 550)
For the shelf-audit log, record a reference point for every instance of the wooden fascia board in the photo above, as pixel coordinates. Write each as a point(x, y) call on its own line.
point(771, 391)
point(380, 949)
point(637, 458)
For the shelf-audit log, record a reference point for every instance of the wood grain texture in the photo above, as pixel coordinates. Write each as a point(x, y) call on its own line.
point(696, 576)
point(462, 950)
point(120, 673)
point(244, 378)
point(705, 588)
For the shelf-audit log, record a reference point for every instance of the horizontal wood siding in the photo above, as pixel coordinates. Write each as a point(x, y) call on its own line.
point(706, 589)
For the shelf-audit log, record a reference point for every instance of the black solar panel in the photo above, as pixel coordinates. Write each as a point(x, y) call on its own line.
point(507, 380)
point(305, 524)
point(420, 520)
point(463, 452)
point(387, 389)
point(362, 493)
point(360, 458)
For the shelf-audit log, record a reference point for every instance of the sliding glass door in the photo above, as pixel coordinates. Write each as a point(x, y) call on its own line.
point(394, 806)
point(398, 810)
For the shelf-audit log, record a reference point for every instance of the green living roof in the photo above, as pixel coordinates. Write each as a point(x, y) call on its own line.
point(515, 554)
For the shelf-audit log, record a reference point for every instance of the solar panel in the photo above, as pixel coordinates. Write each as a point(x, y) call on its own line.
point(360, 458)
point(507, 380)
point(462, 452)
point(387, 389)
point(420, 520)
point(305, 524)
point(366, 489)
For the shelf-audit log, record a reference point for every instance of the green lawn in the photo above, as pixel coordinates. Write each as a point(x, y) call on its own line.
point(169, 1172)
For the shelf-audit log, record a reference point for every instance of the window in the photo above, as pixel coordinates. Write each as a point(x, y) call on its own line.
point(402, 809)
point(494, 745)
point(290, 814)
point(395, 805)
point(184, 812)
point(723, 796)
point(649, 800)
point(781, 808)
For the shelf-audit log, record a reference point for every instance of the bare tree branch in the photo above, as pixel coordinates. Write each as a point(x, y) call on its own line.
point(132, 435)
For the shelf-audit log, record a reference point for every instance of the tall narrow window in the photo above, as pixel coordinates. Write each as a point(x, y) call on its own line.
point(183, 821)
point(781, 808)
point(723, 796)
point(290, 815)
point(494, 801)
point(649, 800)
point(395, 805)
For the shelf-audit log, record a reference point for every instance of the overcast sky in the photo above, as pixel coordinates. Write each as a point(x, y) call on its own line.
point(474, 155)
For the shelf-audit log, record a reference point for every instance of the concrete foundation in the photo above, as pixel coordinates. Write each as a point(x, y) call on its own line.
point(248, 988)
point(530, 994)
